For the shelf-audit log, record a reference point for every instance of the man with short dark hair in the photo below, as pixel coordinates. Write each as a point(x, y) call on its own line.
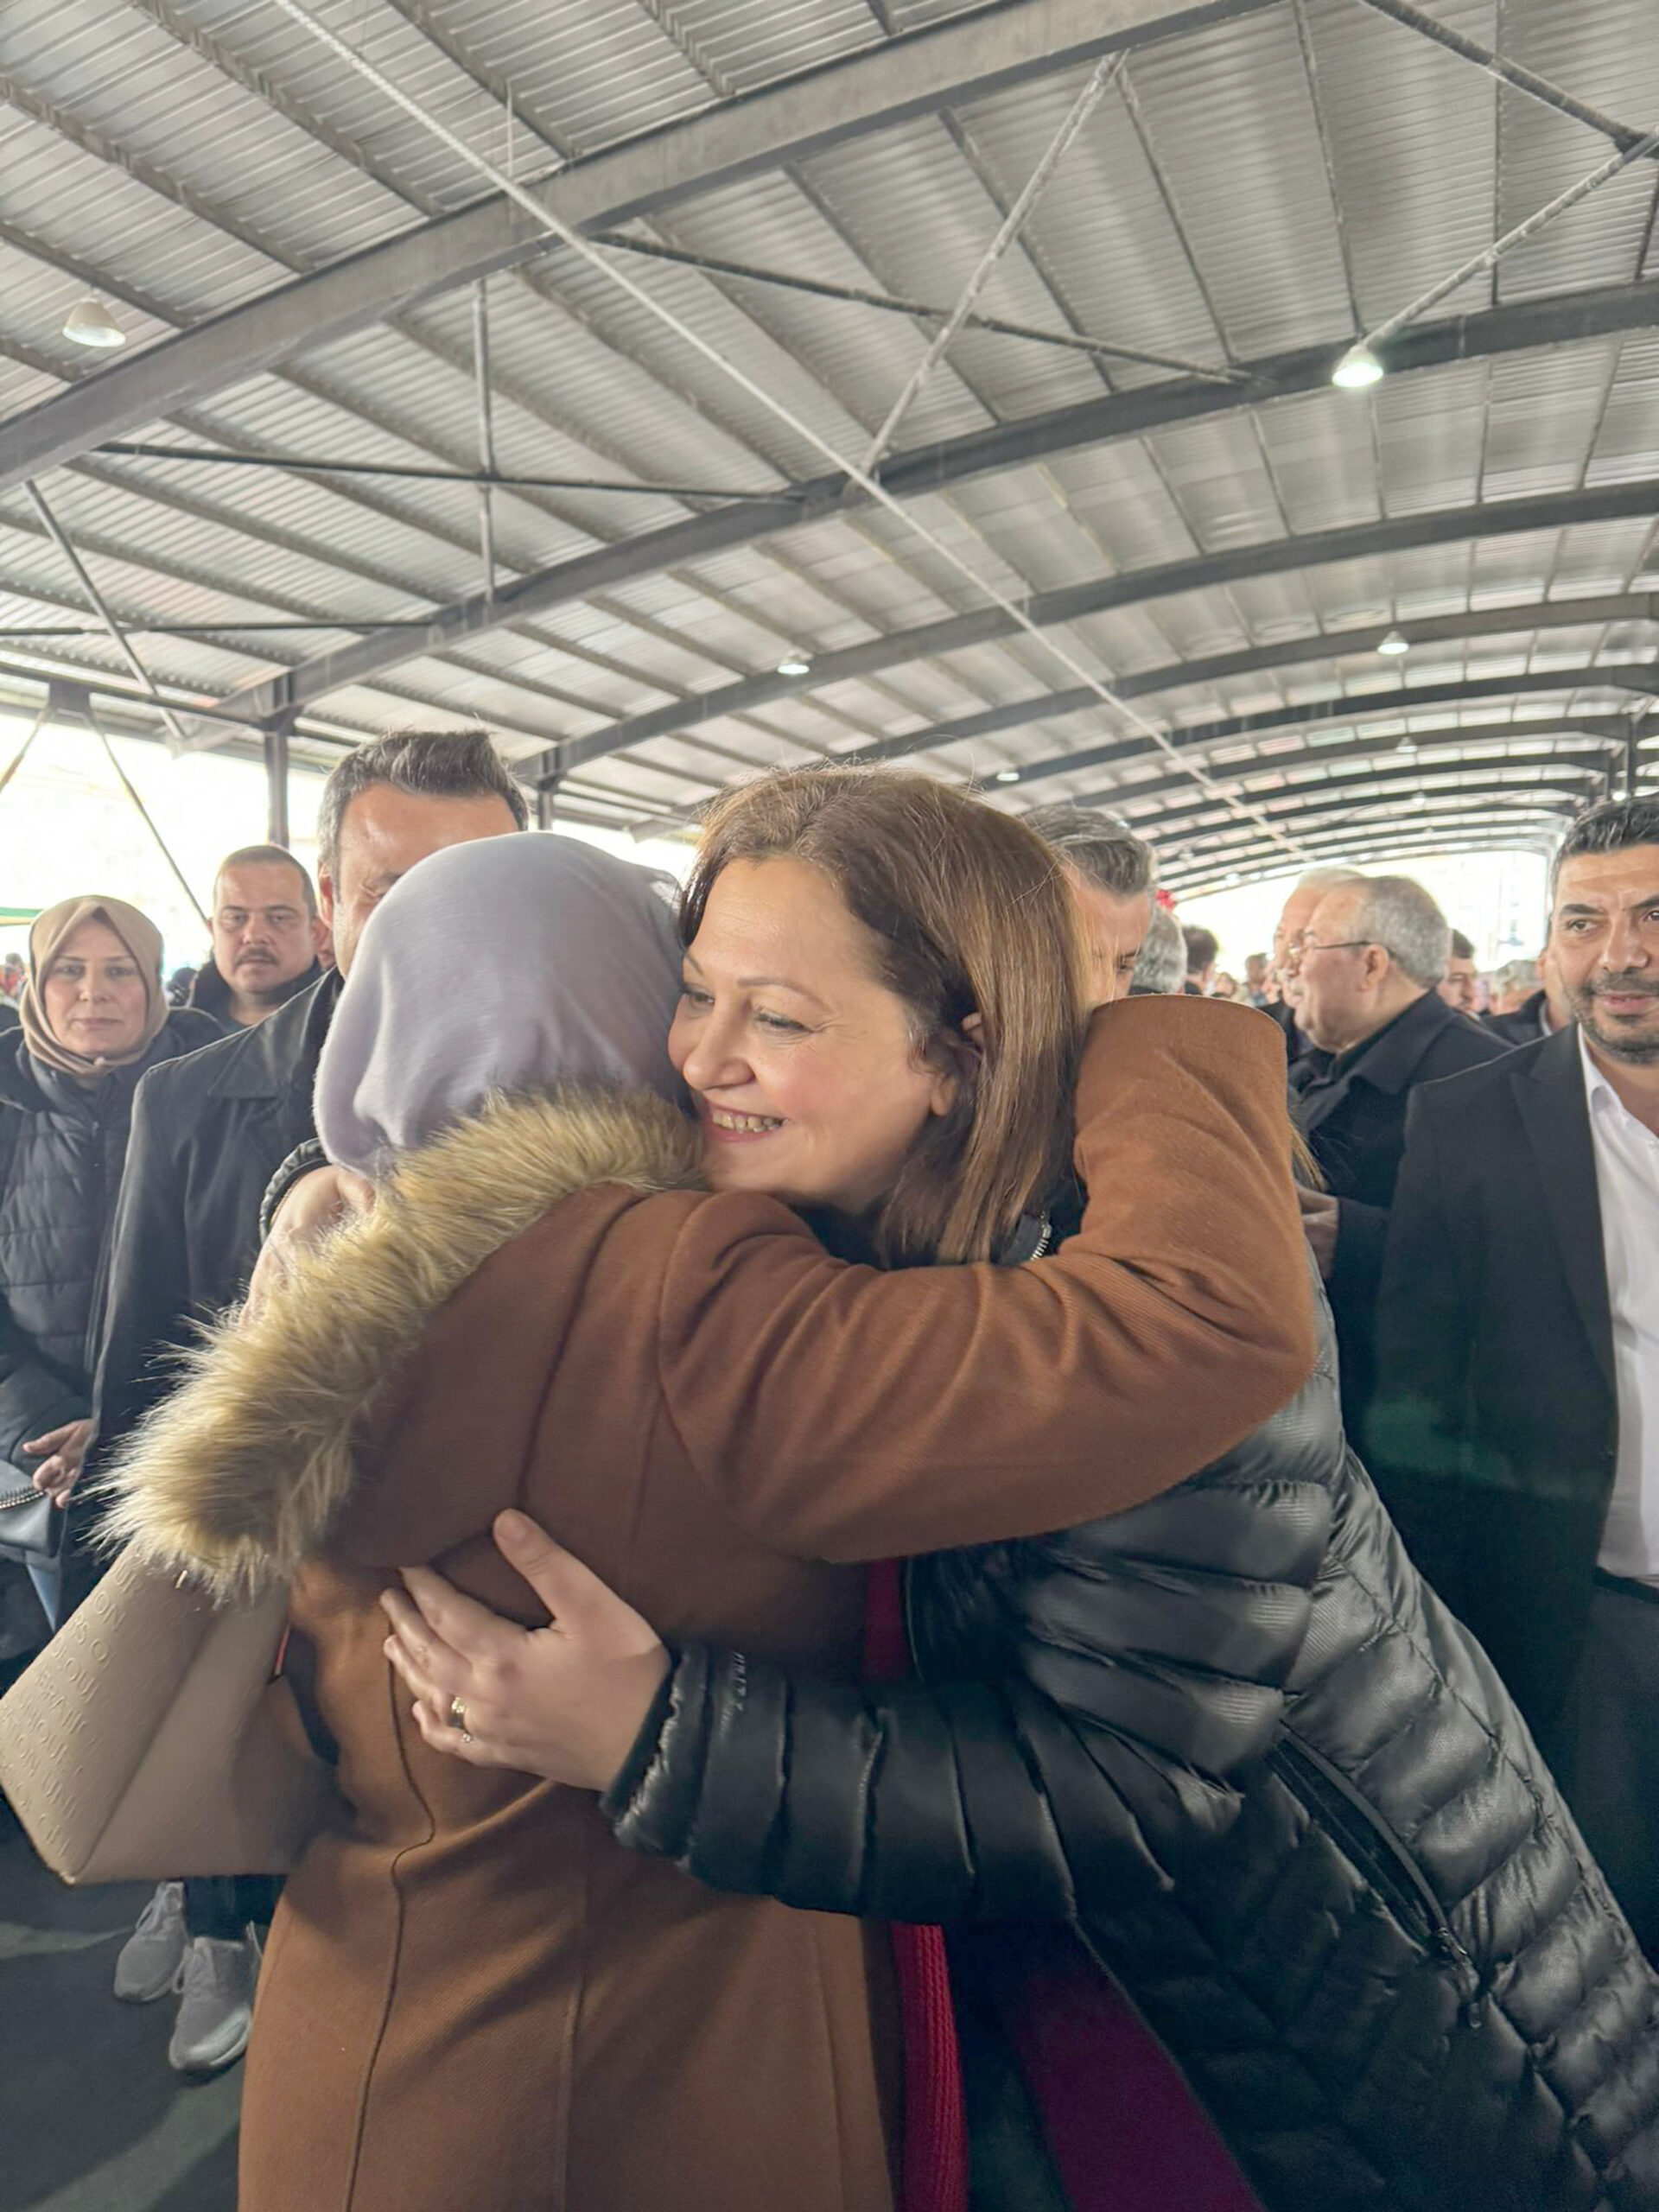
point(268, 936)
point(205, 1144)
point(1369, 957)
point(1516, 1426)
point(1112, 875)
point(1203, 949)
point(1256, 978)
point(1457, 986)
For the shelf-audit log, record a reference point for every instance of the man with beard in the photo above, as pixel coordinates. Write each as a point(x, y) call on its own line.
point(1516, 1426)
point(267, 937)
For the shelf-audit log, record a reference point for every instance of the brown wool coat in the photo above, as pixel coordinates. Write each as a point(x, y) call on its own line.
point(474, 1997)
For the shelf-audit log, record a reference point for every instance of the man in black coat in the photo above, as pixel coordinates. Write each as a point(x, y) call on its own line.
point(207, 1136)
point(1371, 955)
point(268, 936)
point(1514, 1429)
point(1540, 1015)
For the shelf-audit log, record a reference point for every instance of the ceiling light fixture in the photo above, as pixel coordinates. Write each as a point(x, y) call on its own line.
point(1008, 775)
point(1407, 744)
point(1394, 641)
point(1357, 370)
point(89, 323)
point(794, 663)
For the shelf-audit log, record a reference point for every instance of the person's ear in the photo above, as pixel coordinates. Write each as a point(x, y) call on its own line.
point(961, 1056)
point(1374, 960)
point(325, 904)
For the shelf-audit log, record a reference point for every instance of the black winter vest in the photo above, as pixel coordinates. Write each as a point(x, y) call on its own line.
point(63, 1146)
point(1234, 1741)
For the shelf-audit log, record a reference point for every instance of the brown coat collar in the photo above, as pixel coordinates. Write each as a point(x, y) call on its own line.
point(240, 1474)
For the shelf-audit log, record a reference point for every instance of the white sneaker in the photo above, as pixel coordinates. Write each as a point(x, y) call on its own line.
point(215, 1983)
point(152, 1954)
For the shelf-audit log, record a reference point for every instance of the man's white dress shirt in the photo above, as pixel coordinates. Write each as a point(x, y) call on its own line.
point(1627, 1180)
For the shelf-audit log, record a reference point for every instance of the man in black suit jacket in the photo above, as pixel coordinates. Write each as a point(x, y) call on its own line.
point(1540, 1015)
point(1370, 957)
point(1515, 1427)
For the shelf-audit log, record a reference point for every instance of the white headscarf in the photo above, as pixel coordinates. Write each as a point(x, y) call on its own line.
point(509, 964)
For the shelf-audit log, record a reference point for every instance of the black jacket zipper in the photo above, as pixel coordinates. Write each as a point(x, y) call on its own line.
point(1390, 1863)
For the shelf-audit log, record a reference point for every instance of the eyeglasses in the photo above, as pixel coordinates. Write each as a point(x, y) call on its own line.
point(1343, 944)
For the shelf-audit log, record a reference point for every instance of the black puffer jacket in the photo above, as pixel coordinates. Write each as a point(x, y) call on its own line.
point(61, 1148)
point(1233, 1739)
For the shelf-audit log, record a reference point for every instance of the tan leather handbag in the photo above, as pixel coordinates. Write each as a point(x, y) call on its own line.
point(152, 1739)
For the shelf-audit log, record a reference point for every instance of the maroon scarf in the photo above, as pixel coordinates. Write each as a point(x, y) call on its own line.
point(934, 2170)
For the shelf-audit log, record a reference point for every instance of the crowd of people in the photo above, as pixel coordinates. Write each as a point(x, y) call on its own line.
point(932, 1562)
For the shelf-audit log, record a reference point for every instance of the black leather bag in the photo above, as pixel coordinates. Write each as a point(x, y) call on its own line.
point(33, 1532)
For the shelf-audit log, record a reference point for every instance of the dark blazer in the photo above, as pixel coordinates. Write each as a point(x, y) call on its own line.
point(1520, 1027)
point(207, 1134)
point(1353, 1114)
point(1493, 1430)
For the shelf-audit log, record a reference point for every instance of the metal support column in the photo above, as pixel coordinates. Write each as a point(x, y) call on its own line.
point(485, 434)
point(276, 787)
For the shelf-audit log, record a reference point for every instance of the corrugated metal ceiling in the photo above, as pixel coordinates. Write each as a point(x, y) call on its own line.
point(1280, 179)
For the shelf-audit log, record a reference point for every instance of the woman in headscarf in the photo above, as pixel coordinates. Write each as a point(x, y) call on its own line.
point(94, 1017)
point(473, 1995)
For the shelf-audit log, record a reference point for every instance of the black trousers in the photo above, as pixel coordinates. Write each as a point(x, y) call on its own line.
point(221, 1905)
point(1614, 1788)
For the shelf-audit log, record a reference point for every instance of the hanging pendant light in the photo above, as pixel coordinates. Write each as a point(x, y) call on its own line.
point(89, 323)
point(1357, 370)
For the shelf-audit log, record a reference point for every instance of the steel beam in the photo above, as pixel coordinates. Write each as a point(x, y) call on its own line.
point(1571, 318)
point(1573, 781)
point(276, 750)
point(1257, 660)
point(968, 57)
point(1368, 849)
point(1438, 753)
point(1274, 556)
point(1507, 71)
point(1333, 714)
point(1496, 808)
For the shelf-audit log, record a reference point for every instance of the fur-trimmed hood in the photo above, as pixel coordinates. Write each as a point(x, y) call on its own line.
point(239, 1475)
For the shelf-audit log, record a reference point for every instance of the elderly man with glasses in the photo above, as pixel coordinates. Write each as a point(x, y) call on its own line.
point(1366, 968)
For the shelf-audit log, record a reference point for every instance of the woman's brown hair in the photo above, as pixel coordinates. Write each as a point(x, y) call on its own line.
point(968, 914)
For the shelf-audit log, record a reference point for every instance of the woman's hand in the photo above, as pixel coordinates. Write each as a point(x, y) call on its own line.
point(67, 1447)
point(316, 1206)
point(565, 1701)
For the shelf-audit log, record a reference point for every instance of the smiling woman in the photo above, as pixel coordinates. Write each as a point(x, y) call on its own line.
point(811, 1088)
point(860, 1021)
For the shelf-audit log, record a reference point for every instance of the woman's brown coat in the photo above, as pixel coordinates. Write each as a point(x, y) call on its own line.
point(474, 1997)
